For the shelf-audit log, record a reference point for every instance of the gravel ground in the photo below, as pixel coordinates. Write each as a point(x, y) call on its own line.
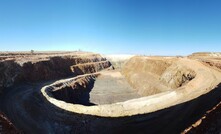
point(111, 88)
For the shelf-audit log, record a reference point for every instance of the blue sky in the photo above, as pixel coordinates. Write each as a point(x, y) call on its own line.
point(151, 27)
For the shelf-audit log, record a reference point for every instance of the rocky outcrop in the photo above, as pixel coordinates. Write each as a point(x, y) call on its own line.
point(9, 73)
point(176, 76)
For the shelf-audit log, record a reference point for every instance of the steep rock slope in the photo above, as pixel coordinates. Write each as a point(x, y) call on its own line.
point(17, 70)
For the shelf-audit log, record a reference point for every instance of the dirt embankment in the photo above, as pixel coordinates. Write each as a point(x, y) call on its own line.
point(210, 59)
point(205, 55)
point(155, 75)
point(210, 121)
point(119, 60)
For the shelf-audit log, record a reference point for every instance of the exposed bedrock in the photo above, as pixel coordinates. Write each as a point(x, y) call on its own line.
point(176, 76)
point(76, 92)
point(87, 68)
point(17, 71)
point(9, 71)
point(23, 68)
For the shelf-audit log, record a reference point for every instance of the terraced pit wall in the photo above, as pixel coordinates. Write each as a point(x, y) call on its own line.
point(187, 90)
point(177, 92)
point(13, 71)
point(75, 92)
point(18, 68)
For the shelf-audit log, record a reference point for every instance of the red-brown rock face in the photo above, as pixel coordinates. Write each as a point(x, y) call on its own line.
point(49, 67)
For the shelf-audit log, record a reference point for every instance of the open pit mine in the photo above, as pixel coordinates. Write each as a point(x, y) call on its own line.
point(82, 92)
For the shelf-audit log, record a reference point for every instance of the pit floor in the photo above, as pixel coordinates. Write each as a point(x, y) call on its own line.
point(111, 87)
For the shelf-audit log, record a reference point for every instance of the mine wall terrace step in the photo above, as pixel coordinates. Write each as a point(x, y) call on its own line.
point(89, 63)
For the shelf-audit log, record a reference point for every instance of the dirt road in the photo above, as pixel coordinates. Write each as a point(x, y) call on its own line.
point(28, 111)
